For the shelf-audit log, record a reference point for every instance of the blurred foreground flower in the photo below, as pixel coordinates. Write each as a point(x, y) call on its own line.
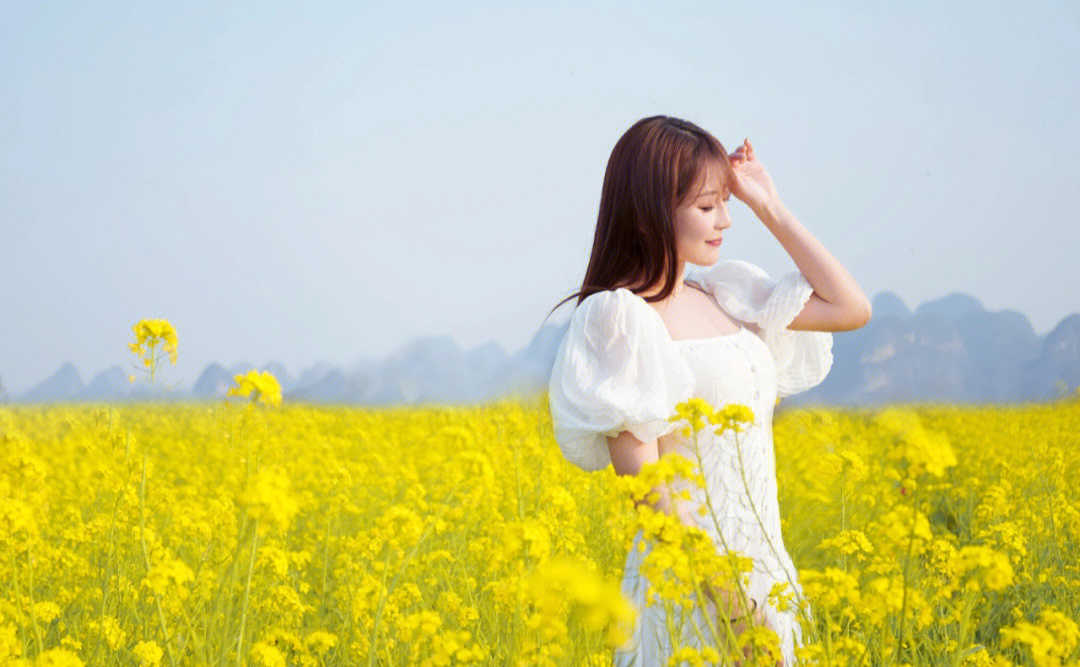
point(262, 387)
point(562, 586)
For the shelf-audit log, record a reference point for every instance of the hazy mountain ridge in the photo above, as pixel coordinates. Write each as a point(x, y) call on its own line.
point(948, 349)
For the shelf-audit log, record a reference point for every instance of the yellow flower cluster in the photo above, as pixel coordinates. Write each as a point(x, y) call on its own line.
point(268, 499)
point(261, 387)
point(148, 334)
point(148, 653)
point(921, 450)
point(991, 569)
point(562, 591)
point(696, 411)
point(169, 575)
point(1050, 641)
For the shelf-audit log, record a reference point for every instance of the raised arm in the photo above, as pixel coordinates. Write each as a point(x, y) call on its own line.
point(838, 303)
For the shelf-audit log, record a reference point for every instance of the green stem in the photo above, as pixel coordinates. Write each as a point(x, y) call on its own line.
point(18, 594)
point(247, 592)
point(961, 639)
point(802, 603)
point(108, 572)
point(1050, 507)
point(30, 594)
point(378, 611)
point(907, 566)
point(326, 556)
point(730, 635)
point(146, 562)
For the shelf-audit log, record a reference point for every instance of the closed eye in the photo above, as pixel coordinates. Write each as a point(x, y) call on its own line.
point(706, 209)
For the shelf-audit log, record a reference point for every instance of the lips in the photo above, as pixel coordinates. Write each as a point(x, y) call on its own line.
point(715, 241)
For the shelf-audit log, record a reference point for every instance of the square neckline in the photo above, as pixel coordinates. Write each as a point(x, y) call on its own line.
point(706, 339)
point(703, 339)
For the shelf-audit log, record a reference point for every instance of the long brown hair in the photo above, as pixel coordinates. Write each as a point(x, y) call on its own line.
point(650, 172)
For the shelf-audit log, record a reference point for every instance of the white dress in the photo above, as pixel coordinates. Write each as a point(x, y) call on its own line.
point(617, 369)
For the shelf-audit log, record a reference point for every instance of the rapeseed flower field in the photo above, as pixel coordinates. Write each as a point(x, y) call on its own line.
point(260, 532)
point(278, 534)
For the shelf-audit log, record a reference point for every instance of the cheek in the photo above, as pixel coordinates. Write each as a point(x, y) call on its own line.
point(703, 225)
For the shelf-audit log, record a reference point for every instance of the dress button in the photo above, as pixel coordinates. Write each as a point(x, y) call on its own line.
point(753, 368)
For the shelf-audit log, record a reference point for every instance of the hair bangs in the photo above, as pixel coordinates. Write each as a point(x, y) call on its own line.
point(707, 167)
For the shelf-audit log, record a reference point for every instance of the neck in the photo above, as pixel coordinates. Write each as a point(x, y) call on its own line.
point(679, 284)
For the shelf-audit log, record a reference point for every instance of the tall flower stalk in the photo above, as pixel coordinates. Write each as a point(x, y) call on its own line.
point(153, 338)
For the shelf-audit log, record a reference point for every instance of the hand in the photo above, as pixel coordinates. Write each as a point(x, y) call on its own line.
point(758, 619)
point(753, 186)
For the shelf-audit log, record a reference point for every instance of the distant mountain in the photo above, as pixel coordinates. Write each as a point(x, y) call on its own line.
point(213, 382)
point(107, 385)
point(63, 385)
point(888, 304)
point(948, 349)
point(1058, 362)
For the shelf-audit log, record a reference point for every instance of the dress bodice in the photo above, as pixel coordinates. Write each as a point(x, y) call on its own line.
point(739, 468)
point(732, 368)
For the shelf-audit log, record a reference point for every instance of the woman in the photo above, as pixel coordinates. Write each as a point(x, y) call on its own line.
point(643, 338)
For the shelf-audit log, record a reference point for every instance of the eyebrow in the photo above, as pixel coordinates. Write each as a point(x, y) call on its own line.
point(707, 192)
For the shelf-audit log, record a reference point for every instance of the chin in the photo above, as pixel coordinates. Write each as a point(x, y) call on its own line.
point(706, 260)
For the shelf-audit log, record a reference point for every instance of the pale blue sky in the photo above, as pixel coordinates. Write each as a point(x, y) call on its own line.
point(302, 183)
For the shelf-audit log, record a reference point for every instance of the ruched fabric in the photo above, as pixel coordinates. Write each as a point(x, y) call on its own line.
point(616, 369)
point(745, 291)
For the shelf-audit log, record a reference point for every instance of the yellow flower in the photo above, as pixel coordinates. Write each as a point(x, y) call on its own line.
point(109, 628)
point(169, 574)
point(695, 411)
point(1049, 643)
point(262, 387)
point(267, 655)
point(46, 612)
point(733, 417)
point(921, 450)
point(319, 642)
point(849, 542)
point(562, 585)
point(148, 334)
point(268, 498)
point(989, 569)
point(58, 657)
point(148, 653)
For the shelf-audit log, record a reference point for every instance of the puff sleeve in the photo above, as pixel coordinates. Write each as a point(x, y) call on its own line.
point(615, 370)
point(745, 291)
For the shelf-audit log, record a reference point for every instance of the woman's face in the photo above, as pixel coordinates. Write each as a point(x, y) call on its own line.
point(699, 221)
